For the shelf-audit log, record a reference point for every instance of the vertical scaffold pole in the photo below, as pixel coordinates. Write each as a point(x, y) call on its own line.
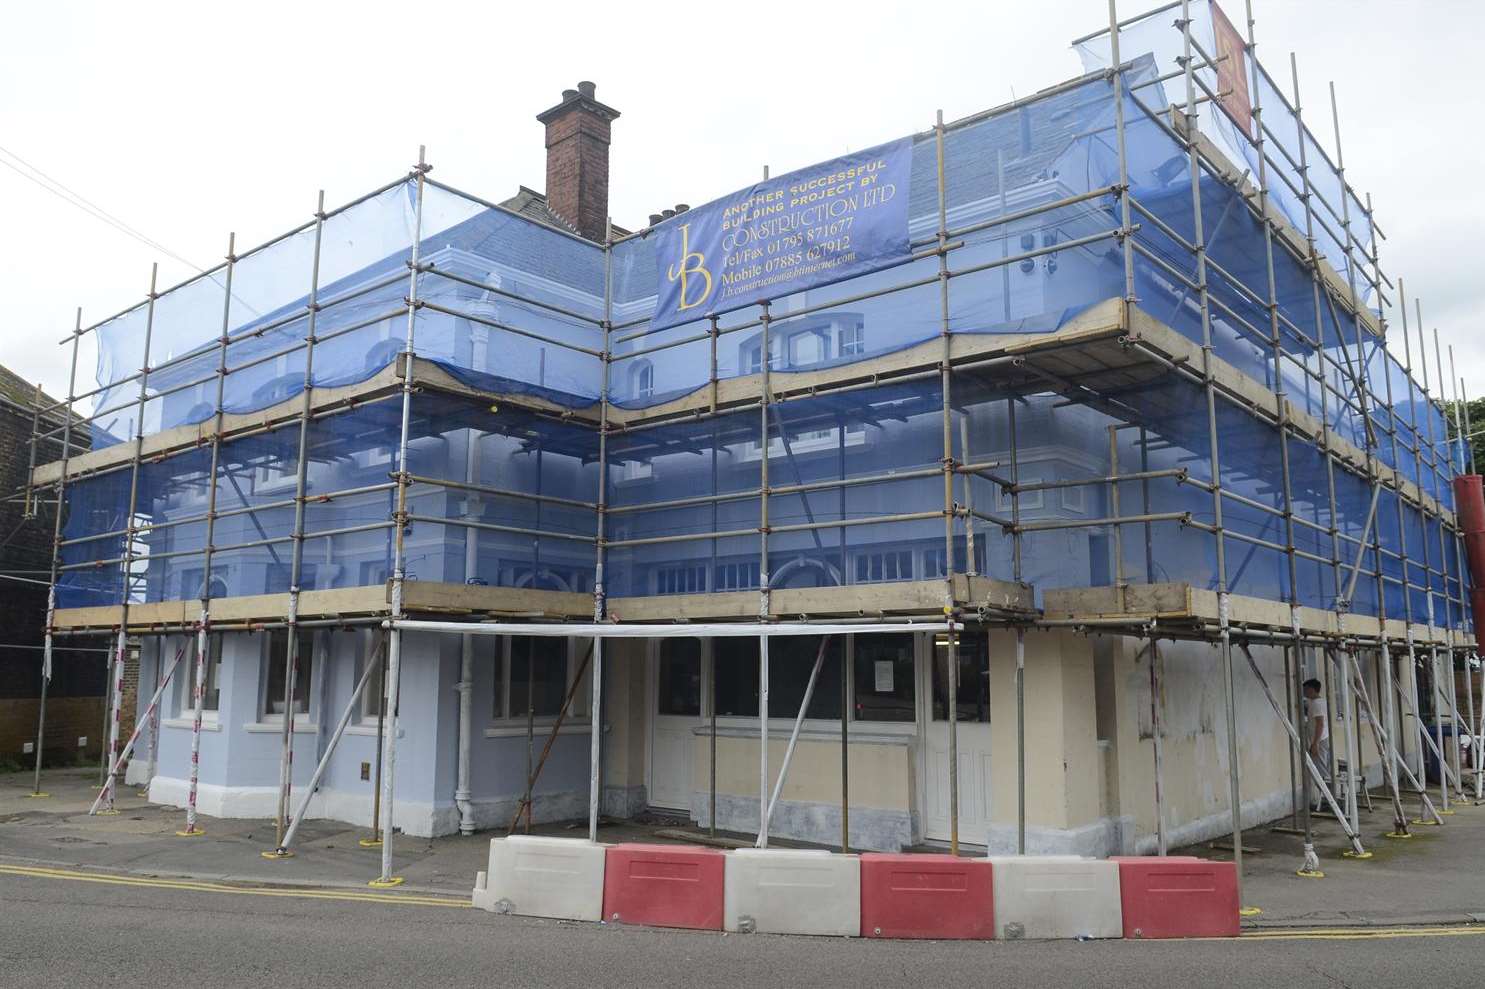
point(296, 564)
point(110, 786)
point(51, 592)
point(1391, 737)
point(1449, 612)
point(203, 626)
point(764, 579)
point(1433, 668)
point(948, 464)
point(1224, 631)
point(1015, 479)
point(1157, 730)
point(595, 754)
point(1402, 547)
point(1461, 432)
point(399, 529)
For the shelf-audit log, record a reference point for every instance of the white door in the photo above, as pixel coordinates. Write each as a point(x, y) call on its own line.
point(675, 713)
point(973, 737)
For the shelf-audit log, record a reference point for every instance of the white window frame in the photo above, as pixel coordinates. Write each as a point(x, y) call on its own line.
point(303, 720)
point(809, 441)
point(783, 721)
point(366, 649)
point(185, 677)
point(642, 379)
point(1031, 501)
point(510, 722)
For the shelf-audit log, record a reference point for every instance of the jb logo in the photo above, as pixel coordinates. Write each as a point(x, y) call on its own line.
point(693, 265)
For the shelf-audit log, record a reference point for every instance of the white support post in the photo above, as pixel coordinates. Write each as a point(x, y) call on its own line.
point(595, 749)
point(763, 740)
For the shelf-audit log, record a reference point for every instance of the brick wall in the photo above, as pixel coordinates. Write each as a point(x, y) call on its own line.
point(75, 697)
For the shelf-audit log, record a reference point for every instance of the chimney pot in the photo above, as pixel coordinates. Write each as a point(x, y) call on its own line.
point(667, 213)
point(655, 218)
point(588, 89)
point(681, 207)
point(568, 95)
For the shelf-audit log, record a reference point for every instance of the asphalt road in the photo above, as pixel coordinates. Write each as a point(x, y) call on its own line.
point(63, 932)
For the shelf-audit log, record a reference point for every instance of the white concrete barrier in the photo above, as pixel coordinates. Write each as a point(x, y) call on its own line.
point(537, 876)
point(792, 891)
point(1056, 896)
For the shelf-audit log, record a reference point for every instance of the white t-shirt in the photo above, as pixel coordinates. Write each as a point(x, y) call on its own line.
point(1318, 709)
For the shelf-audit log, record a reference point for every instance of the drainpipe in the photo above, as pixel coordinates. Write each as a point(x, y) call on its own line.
point(464, 686)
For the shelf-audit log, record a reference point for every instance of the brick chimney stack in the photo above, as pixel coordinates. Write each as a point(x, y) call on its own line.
point(577, 159)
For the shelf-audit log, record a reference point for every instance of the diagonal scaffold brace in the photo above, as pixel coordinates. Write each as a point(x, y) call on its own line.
point(1314, 770)
point(144, 719)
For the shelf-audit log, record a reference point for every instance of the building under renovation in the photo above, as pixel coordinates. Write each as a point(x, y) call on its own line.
point(994, 486)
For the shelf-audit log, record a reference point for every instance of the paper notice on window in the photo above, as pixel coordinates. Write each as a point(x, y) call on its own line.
point(883, 669)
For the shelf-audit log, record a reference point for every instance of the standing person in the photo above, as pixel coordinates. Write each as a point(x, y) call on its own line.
point(1318, 717)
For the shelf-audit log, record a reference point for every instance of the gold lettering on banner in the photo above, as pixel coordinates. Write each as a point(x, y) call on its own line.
point(688, 268)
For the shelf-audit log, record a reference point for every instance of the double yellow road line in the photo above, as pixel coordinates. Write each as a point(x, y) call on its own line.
point(420, 900)
point(199, 886)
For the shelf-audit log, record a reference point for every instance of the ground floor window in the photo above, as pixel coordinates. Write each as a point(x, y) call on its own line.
point(972, 655)
point(882, 673)
point(679, 687)
point(533, 674)
point(278, 672)
point(185, 676)
point(371, 647)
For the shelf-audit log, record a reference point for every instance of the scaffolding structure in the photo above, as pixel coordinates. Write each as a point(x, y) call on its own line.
point(1154, 264)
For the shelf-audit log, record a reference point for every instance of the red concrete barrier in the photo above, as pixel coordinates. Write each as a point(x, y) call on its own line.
point(926, 896)
point(664, 886)
point(1177, 896)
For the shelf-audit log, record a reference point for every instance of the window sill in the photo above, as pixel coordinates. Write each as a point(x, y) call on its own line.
point(189, 723)
point(277, 727)
point(539, 729)
point(365, 729)
point(883, 733)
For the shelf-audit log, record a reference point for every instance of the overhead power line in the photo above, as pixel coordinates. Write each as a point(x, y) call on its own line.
point(35, 175)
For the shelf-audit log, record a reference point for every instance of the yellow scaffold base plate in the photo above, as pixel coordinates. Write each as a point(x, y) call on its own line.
point(1397, 834)
point(1309, 873)
point(370, 843)
point(1447, 813)
point(110, 812)
point(190, 834)
point(277, 853)
point(386, 883)
point(1420, 822)
point(1352, 854)
point(1249, 911)
point(38, 794)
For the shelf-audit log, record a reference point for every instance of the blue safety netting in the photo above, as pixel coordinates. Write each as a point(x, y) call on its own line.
point(505, 496)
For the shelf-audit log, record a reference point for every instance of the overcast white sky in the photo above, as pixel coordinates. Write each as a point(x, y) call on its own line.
point(190, 120)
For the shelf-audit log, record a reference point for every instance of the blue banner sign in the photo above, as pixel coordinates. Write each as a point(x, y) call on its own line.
point(838, 219)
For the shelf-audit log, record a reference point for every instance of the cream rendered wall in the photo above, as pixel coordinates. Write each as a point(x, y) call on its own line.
point(626, 726)
point(1195, 754)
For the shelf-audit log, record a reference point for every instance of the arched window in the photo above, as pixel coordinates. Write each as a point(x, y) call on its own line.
point(642, 380)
